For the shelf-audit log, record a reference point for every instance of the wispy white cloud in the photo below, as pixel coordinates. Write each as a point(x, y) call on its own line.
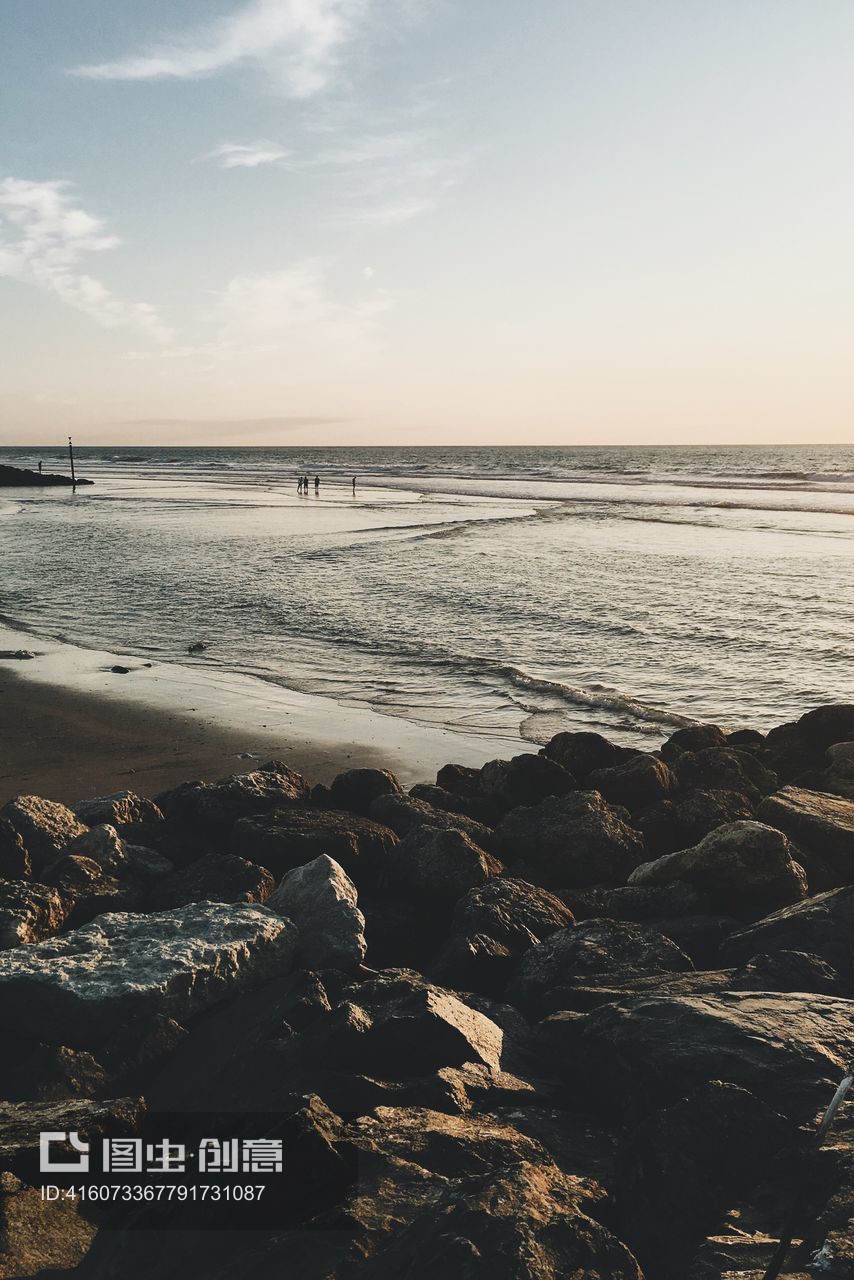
point(247, 155)
point(44, 235)
point(299, 43)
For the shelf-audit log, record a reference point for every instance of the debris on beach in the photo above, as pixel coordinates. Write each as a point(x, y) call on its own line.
point(569, 1014)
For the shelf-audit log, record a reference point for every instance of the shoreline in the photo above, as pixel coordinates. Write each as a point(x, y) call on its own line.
point(72, 728)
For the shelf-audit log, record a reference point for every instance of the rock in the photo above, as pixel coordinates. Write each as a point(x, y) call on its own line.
point(818, 823)
point(215, 878)
point(104, 845)
point(581, 753)
point(473, 962)
point(724, 769)
point(73, 990)
point(402, 814)
point(571, 841)
point(22, 1122)
point(405, 1027)
point(89, 890)
point(789, 1049)
point(477, 807)
point(216, 806)
point(683, 820)
point(459, 779)
point(700, 936)
point(746, 739)
point(822, 926)
point(52, 1073)
point(525, 780)
point(525, 1220)
point(512, 912)
point(399, 932)
point(119, 670)
point(693, 737)
point(45, 827)
point(122, 806)
point(442, 865)
point(642, 904)
point(356, 789)
point(40, 1237)
point(686, 1165)
point(636, 783)
point(743, 868)
point(24, 477)
point(788, 971)
point(29, 912)
point(595, 951)
point(14, 860)
point(20, 655)
point(291, 837)
point(321, 900)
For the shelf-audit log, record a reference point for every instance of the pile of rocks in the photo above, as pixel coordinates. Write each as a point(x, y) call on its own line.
point(570, 1014)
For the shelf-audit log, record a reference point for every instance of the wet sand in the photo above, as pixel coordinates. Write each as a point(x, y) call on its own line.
point(69, 745)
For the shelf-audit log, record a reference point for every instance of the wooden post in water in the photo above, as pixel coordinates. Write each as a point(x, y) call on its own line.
point(71, 457)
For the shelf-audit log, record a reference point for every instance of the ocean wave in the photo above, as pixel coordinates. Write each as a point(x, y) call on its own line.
point(609, 700)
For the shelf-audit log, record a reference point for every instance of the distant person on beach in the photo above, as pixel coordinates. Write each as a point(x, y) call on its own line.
point(316, 485)
point(40, 466)
point(354, 484)
point(299, 485)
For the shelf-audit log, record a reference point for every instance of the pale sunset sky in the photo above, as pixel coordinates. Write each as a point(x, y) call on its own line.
point(427, 221)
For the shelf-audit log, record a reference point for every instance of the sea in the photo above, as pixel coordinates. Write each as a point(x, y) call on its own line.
point(507, 592)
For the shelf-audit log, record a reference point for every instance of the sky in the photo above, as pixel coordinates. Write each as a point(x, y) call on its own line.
point(426, 221)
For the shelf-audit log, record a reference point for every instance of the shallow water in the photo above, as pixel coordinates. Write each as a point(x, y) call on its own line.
point(510, 591)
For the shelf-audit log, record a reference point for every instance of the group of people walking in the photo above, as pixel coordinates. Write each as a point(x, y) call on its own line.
point(303, 483)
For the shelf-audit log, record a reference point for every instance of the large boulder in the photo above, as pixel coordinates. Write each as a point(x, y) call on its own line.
point(512, 912)
point(692, 737)
point(45, 827)
point(440, 865)
point(724, 769)
point(593, 952)
point(472, 805)
point(818, 823)
point(797, 748)
point(403, 814)
point(122, 806)
point(822, 925)
point(790, 1049)
point(117, 857)
point(218, 877)
point(321, 900)
point(291, 837)
point(22, 1122)
point(581, 753)
point(526, 779)
point(76, 989)
point(356, 789)
point(643, 904)
point(90, 890)
point(744, 868)
point(216, 806)
point(29, 912)
point(682, 820)
point(636, 783)
point(571, 841)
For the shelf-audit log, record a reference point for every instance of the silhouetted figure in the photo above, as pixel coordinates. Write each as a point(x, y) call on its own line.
point(316, 485)
point(299, 485)
point(354, 484)
point(40, 466)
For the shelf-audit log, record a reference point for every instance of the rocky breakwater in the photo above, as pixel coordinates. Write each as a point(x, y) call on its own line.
point(23, 478)
point(571, 1014)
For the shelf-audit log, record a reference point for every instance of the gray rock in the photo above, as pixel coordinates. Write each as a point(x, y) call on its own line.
point(526, 779)
point(581, 753)
point(322, 902)
point(91, 890)
point(511, 911)
point(789, 1049)
point(218, 877)
point(644, 904)
point(815, 821)
point(104, 845)
point(122, 806)
point(822, 925)
point(22, 1122)
point(45, 827)
point(571, 842)
point(73, 990)
point(291, 837)
point(403, 814)
point(743, 868)
point(216, 806)
point(29, 912)
point(595, 951)
point(356, 789)
point(439, 864)
point(724, 769)
point(683, 820)
point(636, 783)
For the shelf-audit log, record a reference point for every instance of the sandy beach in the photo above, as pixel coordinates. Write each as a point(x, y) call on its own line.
point(73, 728)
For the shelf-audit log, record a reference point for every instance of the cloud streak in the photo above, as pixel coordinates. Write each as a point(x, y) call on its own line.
point(299, 43)
point(247, 155)
point(43, 237)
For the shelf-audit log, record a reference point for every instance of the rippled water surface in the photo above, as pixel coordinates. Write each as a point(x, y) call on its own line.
point(518, 591)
